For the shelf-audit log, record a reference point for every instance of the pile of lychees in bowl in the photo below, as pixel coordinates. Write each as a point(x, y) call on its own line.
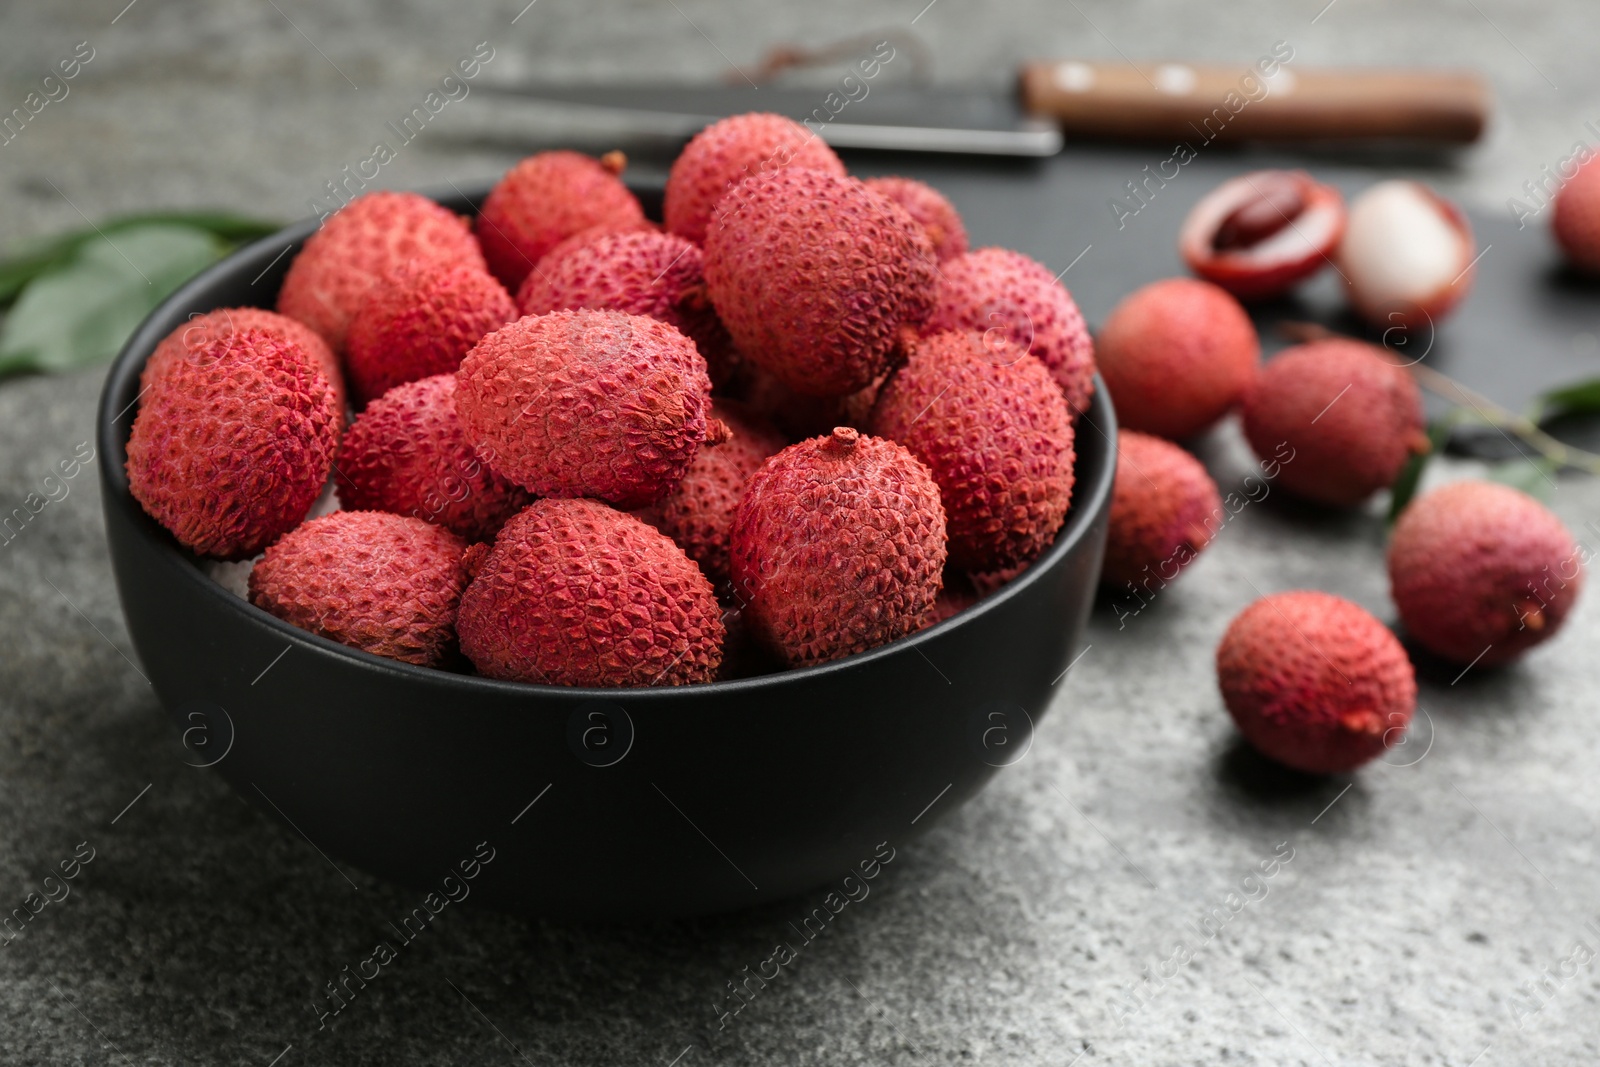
point(561, 443)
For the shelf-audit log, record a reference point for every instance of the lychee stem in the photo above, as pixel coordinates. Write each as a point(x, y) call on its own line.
point(1447, 387)
point(844, 438)
point(1363, 721)
point(614, 161)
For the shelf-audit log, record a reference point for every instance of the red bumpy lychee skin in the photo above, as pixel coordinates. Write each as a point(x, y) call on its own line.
point(575, 593)
point(544, 200)
point(933, 212)
point(838, 547)
point(1164, 511)
point(1575, 221)
point(993, 428)
point(233, 445)
point(1176, 355)
point(588, 403)
point(406, 454)
point(1315, 682)
point(201, 329)
point(1261, 234)
point(698, 513)
point(800, 416)
point(386, 584)
point(817, 278)
point(642, 273)
point(1350, 416)
point(1483, 572)
point(1007, 295)
point(727, 152)
point(356, 247)
point(419, 322)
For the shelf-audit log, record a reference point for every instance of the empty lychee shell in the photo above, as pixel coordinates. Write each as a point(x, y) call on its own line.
point(1575, 221)
point(1261, 234)
point(1406, 255)
point(1482, 572)
point(1315, 682)
point(386, 584)
point(1164, 511)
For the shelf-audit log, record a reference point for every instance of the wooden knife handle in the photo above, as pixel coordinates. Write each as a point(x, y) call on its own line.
point(1186, 102)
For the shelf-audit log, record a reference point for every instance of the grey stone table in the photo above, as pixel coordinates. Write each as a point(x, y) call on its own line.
point(1439, 908)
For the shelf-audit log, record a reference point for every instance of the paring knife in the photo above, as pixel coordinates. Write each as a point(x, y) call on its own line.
point(1157, 102)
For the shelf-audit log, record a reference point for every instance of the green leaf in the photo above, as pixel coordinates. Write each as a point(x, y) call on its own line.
point(1405, 486)
point(79, 312)
point(33, 258)
point(1532, 475)
point(1579, 398)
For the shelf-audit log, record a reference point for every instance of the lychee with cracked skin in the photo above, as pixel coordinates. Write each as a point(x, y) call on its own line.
point(233, 445)
point(1314, 682)
point(932, 210)
point(420, 321)
point(838, 547)
point(407, 454)
point(386, 584)
point(1164, 511)
point(1009, 296)
point(727, 152)
point(819, 280)
point(1482, 572)
point(193, 335)
point(600, 404)
point(576, 593)
point(1575, 218)
point(1407, 255)
point(1261, 234)
point(1350, 415)
point(1176, 355)
point(698, 512)
point(358, 245)
point(545, 199)
point(643, 273)
point(990, 423)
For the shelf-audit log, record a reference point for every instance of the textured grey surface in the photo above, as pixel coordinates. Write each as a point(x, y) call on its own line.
point(1418, 913)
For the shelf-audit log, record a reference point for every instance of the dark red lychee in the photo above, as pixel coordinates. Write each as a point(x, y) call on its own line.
point(1315, 682)
point(576, 593)
point(838, 546)
point(1164, 511)
point(933, 212)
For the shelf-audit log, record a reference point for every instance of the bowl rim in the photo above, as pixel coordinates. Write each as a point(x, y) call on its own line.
point(261, 255)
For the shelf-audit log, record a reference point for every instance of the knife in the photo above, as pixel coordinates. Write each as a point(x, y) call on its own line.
point(1162, 102)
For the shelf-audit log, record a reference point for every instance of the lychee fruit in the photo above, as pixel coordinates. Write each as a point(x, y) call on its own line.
point(406, 454)
point(576, 593)
point(361, 243)
point(838, 546)
point(642, 273)
point(386, 584)
point(588, 403)
point(1164, 511)
point(991, 425)
point(545, 199)
point(1482, 572)
point(1575, 220)
point(817, 278)
point(1007, 295)
point(1261, 234)
point(232, 445)
point(800, 416)
point(933, 212)
point(201, 329)
point(1176, 355)
point(698, 513)
point(1407, 255)
point(1315, 682)
point(727, 152)
point(419, 322)
point(1350, 416)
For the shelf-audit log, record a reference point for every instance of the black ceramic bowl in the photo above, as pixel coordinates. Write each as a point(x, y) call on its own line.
point(596, 803)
